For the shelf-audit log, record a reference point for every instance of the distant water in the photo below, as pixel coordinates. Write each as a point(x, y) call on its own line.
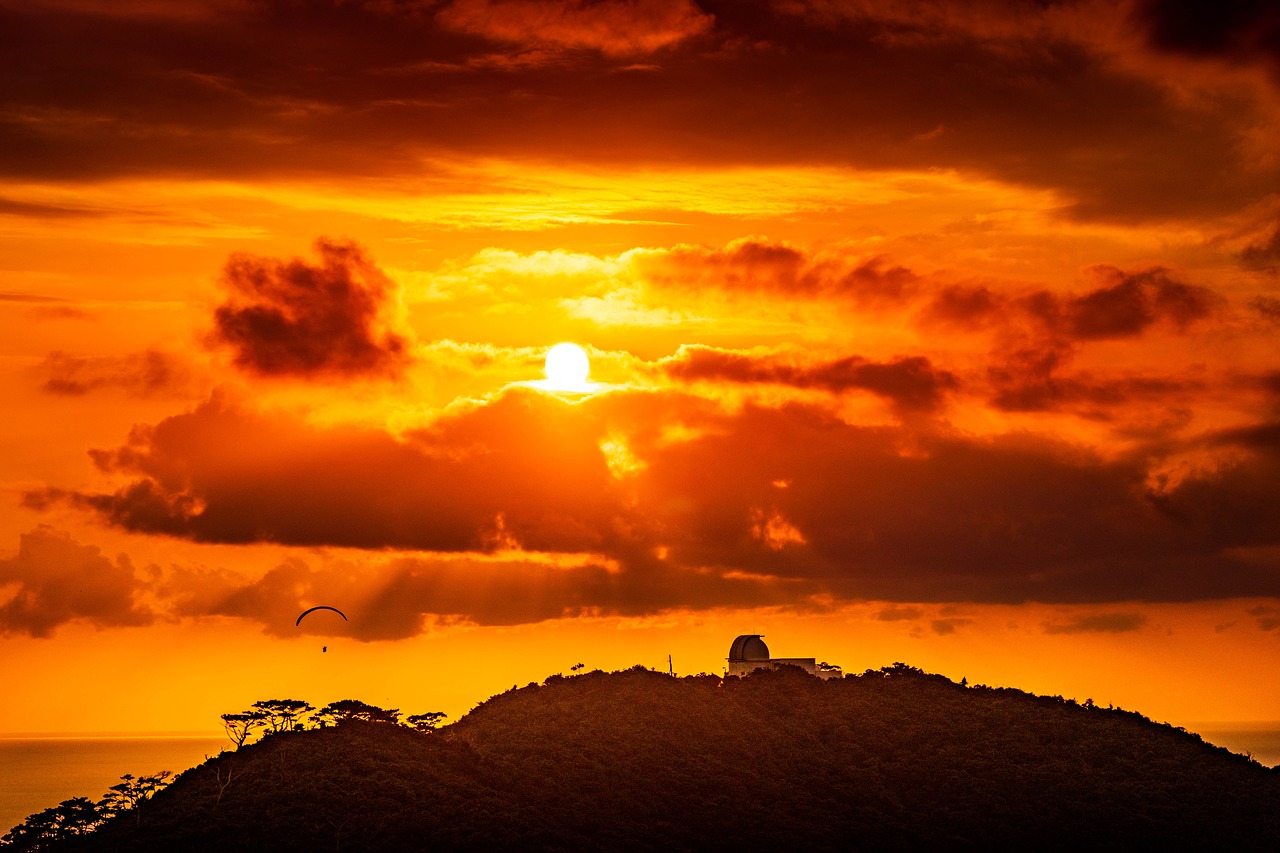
point(39, 772)
point(1259, 740)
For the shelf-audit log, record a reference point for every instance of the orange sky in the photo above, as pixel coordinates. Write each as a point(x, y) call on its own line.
point(922, 332)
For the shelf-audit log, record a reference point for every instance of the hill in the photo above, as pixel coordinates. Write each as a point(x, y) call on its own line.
point(889, 760)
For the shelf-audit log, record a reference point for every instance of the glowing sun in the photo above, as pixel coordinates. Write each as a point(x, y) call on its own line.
point(567, 368)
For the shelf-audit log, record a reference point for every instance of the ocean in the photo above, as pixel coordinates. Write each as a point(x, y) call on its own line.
point(1259, 740)
point(37, 772)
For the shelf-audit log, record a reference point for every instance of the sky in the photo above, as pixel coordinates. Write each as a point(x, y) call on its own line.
point(923, 332)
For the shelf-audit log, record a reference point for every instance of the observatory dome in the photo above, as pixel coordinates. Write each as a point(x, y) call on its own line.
point(748, 647)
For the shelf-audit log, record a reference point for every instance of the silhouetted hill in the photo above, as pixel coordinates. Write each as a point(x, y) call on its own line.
point(892, 760)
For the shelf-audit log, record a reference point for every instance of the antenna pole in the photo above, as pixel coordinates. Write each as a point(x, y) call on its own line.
point(671, 672)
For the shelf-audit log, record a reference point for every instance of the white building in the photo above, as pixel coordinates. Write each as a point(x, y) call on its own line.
point(749, 653)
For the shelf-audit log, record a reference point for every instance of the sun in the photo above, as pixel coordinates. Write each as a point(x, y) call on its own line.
point(567, 368)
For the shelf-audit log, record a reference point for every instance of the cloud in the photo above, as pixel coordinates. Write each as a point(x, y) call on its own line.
point(1037, 334)
point(898, 614)
point(1045, 98)
point(911, 383)
point(297, 319)
point(869, 512)
point(144, 374)
point(1236, 32)
point(1264, 256)
point(1132, 302)
point(53, 580)
point(1108, 623)
point(401, 596)
point(1268, 617)
point(30, 297)
point(614, 27)
point(12, 207)
point(1029, 380)
point(942, 627)
point(222, 473)
point(752, 265)
point(1267, 306)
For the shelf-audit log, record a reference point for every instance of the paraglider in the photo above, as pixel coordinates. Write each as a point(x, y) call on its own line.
point(320, 607)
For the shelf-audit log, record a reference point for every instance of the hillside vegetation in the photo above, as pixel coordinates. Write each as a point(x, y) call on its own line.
point(889, 760)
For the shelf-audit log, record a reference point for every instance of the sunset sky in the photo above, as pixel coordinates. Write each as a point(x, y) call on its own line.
point(923, 332)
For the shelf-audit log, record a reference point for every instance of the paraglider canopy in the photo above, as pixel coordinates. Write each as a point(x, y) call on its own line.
point(320, 607)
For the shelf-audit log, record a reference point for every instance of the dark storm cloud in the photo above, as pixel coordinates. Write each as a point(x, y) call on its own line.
point(1236, 30)
point(758, 505)
point(298, 319)
point(911, 383)
point(343, 89)
point(53, 580)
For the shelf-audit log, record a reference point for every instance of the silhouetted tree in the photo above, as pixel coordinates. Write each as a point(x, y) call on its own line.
point(240, 727)
point(346, 710)
point(43, 829)
point(426, 722)
point(279, 715)
point(130, 793)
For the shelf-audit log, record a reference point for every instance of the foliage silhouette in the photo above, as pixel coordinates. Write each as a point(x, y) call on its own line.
point(427, 722)
point(44, 829)
point(240, 727)
point(353, 710)
point(280, 715)
point(893, 759)
point(130, 793)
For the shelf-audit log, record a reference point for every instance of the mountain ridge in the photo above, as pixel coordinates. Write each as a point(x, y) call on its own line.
point(893, 759)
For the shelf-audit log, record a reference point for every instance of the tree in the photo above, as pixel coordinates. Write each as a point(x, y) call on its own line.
point(346, 710)
point(240, 727)
point(279, 715)
point(77, 816)
point(426, 722)
point(130, 793)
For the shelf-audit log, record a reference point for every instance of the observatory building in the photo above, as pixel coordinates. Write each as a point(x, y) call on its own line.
point(749, 653)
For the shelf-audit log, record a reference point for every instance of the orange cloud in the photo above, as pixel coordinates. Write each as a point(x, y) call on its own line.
point(53, 580)
point(1112, 623)
point(884, 513)
point(910, 383)
point(1048, 99)
point(614, 27)
point(153, 372)
point(754, 265)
